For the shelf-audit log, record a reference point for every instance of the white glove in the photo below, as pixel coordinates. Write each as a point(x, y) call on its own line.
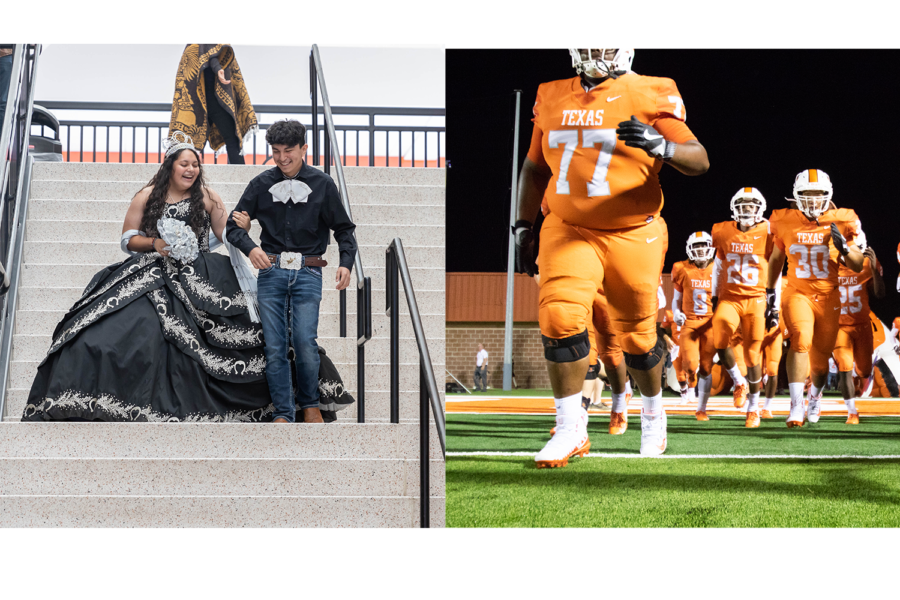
point(680, 318)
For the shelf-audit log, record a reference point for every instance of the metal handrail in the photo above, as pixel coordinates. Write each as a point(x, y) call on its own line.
point(363, 283)
point(18, 149)
point(6, 125)
point(395, 264)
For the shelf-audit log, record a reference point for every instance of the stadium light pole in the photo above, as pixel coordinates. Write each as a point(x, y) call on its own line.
point(510, 264)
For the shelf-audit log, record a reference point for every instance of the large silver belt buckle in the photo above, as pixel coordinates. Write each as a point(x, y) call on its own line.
point(291, 260)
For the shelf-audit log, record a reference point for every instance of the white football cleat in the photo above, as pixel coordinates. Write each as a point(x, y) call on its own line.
point(814, 408)
point(796, 418)
point(653, 434)
point(570, 439)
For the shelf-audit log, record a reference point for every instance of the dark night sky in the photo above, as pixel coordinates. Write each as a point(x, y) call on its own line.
point(763, 116)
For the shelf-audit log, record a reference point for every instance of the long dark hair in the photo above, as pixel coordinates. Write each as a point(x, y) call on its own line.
point(156, 203)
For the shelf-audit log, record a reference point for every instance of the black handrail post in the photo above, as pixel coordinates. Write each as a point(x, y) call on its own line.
point(342, 295)
point(314, 101)
point(392, 279)
point(424, 454)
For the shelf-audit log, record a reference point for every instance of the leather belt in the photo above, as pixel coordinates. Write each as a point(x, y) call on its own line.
point(308, 261)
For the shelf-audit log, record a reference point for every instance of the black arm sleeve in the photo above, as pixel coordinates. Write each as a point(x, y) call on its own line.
point(233, 232)
point(336, 218)
point(215, 65)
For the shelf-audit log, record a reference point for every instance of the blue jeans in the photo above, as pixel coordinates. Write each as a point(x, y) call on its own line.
point(297, 293)
point(5, 75)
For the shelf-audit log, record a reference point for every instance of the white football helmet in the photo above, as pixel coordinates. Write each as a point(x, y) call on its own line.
point(861, 241)
point(700, 247)
point(748, 206)
point(600, 68)
point(813, 180)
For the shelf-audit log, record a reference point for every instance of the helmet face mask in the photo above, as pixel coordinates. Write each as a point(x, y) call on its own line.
point(748, 207)
point(592, 62)
point(699, 247)
point(813, 192)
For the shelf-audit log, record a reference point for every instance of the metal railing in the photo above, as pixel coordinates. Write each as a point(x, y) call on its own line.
point(118, 133)
point(397, 269)
point(363, 283)
point(15, 188)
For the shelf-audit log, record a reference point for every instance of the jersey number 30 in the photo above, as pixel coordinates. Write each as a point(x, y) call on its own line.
point(606, 138)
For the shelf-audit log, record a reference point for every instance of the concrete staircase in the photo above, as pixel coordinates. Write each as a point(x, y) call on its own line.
point(344, 474)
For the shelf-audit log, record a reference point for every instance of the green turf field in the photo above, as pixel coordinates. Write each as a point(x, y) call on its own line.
point(495, 491)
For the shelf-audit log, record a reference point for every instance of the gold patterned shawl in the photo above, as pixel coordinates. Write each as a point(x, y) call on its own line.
point(189, 113)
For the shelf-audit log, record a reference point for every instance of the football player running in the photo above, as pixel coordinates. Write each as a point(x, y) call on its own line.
point(692, 309)
point(816, 235)
point(598, 143)
point(854, 339)
point(743, 247)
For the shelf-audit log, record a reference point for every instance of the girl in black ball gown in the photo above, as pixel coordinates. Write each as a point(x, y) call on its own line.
point(158, 339)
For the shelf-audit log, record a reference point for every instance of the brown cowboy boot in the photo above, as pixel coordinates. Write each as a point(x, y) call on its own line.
point(312, 415)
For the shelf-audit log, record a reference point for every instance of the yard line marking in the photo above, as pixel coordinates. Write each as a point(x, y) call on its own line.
point(735, 456)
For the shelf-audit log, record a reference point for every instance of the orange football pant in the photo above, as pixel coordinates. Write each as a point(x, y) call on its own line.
point(697, 347)
point(772, 349)
point(854, 343)
point(750, 315)
point(813, 323)
point(604, 343)
point(577, 263)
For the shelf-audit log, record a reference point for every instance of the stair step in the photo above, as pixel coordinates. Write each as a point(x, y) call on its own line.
point(341, 351)
point(107, 253)
point(78, 275)
point(50, 229)
point(258, 511)
point(215, 477)
point(114, 211)
point(141, 173)
point(211, 440)
point(63, 298)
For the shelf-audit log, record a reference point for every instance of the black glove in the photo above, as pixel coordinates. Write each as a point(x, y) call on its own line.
point(839, 242)
point(524, 248)
point(771, 309)
point(715, 303)
point(639, 135)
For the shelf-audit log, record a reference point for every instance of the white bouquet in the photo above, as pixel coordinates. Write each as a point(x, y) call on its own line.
point(180, 238)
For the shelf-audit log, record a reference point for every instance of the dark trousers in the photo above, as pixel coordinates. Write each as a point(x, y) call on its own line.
point(481, 373)
point(223, 121)
point(5, 75)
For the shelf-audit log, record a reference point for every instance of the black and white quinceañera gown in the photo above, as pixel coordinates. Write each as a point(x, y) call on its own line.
point(156, 339)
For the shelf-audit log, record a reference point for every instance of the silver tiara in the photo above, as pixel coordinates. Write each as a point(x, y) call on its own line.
point(177, 142)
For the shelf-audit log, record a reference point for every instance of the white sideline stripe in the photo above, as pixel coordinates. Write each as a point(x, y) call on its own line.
point(737, 456)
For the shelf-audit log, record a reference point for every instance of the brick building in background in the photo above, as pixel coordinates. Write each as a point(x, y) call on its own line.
point(476, 314)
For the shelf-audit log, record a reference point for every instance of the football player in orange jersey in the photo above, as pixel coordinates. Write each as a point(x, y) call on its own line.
point(743, 247)
point(816, 235)
point(854, 339)
point(598, 143)
point(772, 350)
point(898, 260)
point(692, 307)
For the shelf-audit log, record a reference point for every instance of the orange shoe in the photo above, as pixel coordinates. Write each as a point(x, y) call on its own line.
point(553, 432)
point(852, 419)
point(740, 395)
point(752, 419)
point(765, 414)
point(618, 423)
point(701, 415)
